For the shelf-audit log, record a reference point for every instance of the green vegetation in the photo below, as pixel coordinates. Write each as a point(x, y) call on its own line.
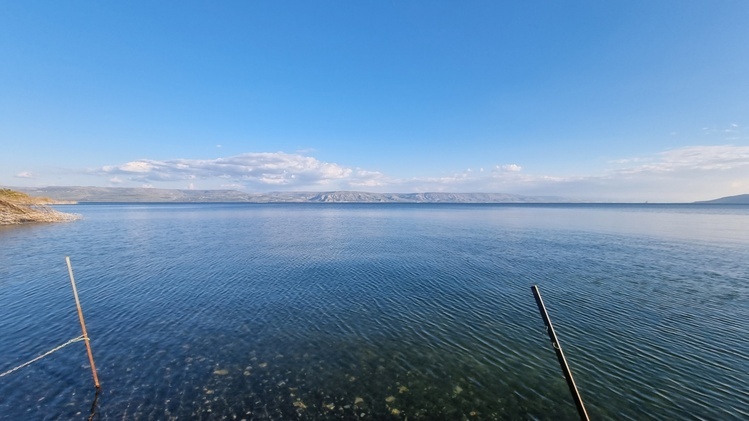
point(20, 208)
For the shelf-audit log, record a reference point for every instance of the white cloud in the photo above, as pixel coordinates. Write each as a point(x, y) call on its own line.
point(250, 169)
point(511, 168)
point(677, 175)
point(694, 158)
point(137, 166)
point(25, 174)
point(368, 179)
point(682, 174)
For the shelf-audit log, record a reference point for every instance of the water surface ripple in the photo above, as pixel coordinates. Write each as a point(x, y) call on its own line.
point(379, 312)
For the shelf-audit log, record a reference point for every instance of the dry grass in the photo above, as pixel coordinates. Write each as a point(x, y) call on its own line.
point(20, 208)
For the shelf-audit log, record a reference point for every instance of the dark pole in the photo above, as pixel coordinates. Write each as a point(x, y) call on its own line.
point(560, 355)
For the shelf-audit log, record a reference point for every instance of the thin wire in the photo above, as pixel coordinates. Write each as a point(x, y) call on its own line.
point(74, 340)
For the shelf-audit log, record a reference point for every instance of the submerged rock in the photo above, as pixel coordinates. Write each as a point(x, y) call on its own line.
point(299, 404)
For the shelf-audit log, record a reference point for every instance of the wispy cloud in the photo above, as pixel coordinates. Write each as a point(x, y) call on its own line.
point(250, 169)
point(682, 174)
point(729, 133)
point(692, 158)
point(25, 174)
point(510, 168)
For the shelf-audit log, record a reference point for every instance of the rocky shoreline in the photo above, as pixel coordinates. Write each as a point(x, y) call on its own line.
point(20, 208)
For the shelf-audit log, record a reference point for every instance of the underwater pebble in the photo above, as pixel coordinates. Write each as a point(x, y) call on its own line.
point(402, 389)
point(247, 372)
point(221, 372)
point(359, 401)
point(395, 411)
point(262, 365)
point(457, 389)
point(299, 404)
point(390, 399)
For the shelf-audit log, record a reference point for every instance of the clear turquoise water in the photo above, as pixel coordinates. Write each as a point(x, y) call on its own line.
point(379, 312)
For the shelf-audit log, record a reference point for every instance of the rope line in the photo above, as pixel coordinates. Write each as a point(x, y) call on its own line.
point(74, 340)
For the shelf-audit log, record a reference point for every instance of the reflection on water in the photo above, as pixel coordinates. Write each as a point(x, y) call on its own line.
point(379, 312)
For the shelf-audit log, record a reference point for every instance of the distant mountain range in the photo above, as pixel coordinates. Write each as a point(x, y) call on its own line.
point(742, 199)
point(146, 195)
point(150, 195)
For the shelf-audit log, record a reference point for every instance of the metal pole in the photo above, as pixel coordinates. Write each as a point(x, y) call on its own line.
point(83, 324)
point(560, 355)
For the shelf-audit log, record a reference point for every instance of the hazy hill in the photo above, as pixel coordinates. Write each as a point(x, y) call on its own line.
point(126, 194)
point(362, 197)
point(742, 199)
point(143, 195)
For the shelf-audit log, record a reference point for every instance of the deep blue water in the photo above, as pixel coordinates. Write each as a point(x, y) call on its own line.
point(378, 312)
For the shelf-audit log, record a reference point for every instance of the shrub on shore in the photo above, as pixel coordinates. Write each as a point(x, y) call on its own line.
point(20, 208)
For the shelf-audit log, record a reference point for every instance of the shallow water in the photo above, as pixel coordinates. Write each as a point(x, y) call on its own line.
point(379, 311)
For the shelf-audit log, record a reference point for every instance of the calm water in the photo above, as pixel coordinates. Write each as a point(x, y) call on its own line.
point(378, 312)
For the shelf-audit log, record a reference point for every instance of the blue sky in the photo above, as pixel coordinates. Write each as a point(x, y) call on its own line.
point(600, 100)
